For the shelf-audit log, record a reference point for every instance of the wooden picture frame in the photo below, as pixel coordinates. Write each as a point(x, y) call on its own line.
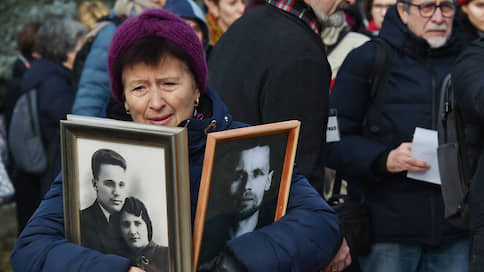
point(261, 155)
point(104, 197)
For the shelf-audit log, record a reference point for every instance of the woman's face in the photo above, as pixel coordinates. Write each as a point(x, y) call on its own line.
point(227, 11)
point(379, 9)
point(475, 12)
point(134, 230)
point(160, 95)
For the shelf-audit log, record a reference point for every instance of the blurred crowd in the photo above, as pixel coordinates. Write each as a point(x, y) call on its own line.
point(376, 66)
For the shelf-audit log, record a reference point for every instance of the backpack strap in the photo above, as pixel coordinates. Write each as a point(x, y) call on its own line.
point(371, 122)
point(381, 71)
point(32, 111)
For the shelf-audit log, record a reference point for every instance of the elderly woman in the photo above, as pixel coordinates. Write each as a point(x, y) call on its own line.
point(136, 231)
point(158, 71)
point(57, 42)
point(221, 14)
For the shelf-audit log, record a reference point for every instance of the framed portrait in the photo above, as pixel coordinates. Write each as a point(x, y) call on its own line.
point(245, 184)
point(126, 191)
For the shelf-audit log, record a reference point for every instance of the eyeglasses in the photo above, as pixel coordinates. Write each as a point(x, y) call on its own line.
point(427, 10)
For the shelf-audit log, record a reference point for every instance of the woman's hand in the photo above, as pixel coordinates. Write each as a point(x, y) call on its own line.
point(135, 269)
point(341, 260)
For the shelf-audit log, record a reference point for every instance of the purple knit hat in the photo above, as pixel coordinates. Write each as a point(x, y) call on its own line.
point(161, 23)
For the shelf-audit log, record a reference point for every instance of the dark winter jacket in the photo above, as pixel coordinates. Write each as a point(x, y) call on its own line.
point(465, 30)
point(402, 209)
point(469, 83)
point(93, 93)
point(468, 79)
point(270, 66)
point(303, 240)
point(54, 94)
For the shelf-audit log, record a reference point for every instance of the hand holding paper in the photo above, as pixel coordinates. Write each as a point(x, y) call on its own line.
point(400, 159)
point(424, 147)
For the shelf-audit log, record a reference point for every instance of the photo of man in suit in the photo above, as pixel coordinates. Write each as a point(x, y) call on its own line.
point(108, 171)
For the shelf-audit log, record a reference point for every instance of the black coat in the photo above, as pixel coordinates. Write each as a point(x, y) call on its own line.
point(55, 95)
point(468, 79)
point(402, 209)
point(270, 66)
point(96, 232)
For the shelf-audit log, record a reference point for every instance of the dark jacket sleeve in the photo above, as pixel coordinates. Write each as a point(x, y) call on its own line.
point(468, 80)
point(305, 239)
point(42, 246)
point(354, 155)
point(299, 89)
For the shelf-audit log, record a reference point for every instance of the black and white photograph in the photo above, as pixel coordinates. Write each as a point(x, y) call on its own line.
point(127, 191)
point(122, 201)
point(245, 184)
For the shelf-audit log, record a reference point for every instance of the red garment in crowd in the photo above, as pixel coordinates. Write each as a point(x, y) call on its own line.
point(372, 27)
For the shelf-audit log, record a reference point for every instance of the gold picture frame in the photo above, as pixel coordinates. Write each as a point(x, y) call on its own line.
point(155, 181)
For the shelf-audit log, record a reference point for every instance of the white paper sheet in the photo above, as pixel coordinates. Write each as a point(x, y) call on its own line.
point(424, 147)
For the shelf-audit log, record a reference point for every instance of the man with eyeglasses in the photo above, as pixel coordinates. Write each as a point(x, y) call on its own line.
point(408, 229)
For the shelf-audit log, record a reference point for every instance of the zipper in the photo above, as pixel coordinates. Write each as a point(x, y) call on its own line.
point(433, 87)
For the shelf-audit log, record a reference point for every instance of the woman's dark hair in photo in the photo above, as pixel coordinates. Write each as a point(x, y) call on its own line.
point(135, 207)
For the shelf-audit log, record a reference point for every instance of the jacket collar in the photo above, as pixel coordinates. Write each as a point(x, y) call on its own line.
point(42, 69)
point(219, 120)
point(299, 9)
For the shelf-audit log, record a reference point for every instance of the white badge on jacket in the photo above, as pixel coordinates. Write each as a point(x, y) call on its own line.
point(332, 131)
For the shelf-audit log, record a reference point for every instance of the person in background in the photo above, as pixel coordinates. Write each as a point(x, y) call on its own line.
point(26, 48)
point(93, 96)
point(285, 72)
point(468, 85)
point(221, 14)
point(407, 224)
point(470, 19)
point(26, 56)
point(375, 11)
point(193, 15)
point(339, 41)
point(57, 41)
point(271, 65)
point(158, 71)
point(89, 12)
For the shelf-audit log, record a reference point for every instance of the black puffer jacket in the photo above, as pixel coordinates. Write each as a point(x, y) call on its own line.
point(468, 79)
point(402, 209)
